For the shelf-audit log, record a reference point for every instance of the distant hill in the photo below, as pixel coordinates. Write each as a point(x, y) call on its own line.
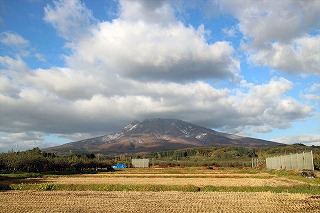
point(154, 135)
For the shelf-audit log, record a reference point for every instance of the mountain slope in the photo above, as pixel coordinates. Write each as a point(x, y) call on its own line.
point(153, 135)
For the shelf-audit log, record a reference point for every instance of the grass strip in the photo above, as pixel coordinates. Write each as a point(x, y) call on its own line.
point(278, 189)
point(102, 187)
point(156, 188)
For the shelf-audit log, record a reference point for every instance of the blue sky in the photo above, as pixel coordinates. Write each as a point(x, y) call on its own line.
point(72, 69)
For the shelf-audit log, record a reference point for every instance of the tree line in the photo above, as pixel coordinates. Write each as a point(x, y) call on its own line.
point(37, 161)
point(227, 156)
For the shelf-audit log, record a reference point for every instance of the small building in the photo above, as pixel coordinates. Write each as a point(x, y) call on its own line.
point(140, 163)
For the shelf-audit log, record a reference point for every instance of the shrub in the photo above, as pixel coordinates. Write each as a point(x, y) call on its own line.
point(47, 186)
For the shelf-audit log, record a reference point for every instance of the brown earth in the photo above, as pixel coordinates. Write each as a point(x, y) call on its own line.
point(172, 180)
point(94, 201)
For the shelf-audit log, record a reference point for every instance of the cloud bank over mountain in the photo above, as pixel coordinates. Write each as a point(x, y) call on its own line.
point(144, 64)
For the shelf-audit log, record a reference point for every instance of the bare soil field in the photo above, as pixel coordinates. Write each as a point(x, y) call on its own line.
point(200, 178)
point(205, 175)
point(196, 181)
point(94, 197)
point(90, 201)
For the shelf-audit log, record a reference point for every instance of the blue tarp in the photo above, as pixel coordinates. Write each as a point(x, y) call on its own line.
point(119, 166)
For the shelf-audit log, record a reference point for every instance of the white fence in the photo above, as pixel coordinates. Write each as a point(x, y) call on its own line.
point(256, 163)
point(293, 161)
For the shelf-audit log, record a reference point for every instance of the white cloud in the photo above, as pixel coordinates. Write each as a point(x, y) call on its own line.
point(13, 39)
point(277, 33)
point(63, 101)
point(312, 97)
point(22, 141)
point(8, 88)
point(135, 68)
point(71, 18)
point(307, 139)
point(19, 46)
point(58, 101)
point(315, 87)
point(24, 136)
point(13, 67)
point(154, 52)
point(300, 56)
point(66, 83)
point(230, 32)
point(146, 46)
point(265, 21)
point(14, 43)
point(265, 105)
point(78, 136)
point(153, 12)
point(312, 93)
point(40, 57)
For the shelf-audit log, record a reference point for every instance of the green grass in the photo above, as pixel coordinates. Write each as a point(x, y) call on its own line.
point(20, 175)
point(279, 189)
point(295, 175)
point(290, 174)
point(33, 186)
point(103, 187)
point(156, 188)
point(24, 175)
point(169, 170)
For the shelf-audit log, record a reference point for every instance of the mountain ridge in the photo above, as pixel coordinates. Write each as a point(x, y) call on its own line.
point(158, 134)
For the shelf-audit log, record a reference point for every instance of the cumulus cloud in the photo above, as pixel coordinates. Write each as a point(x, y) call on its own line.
point(13, 68)
point(152, 52)
point(18, 45)
point(71, 18)
point(153, 12)
point(230, 32)
point(146, 46)
point(278, 33)
point(312, 93)
point(40, 57)
point(8, 88)
point(63, 112)
point(300, 56)
point(55, 107)
point(13, 39)
point(136, 67)
point(262, 21)
point(315, 87)
point(14, 43)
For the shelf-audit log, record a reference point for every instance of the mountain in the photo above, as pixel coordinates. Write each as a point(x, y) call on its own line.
point(152, 135)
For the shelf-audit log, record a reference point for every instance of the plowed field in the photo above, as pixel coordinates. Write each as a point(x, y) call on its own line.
point(89, 201)
point(198, 181)
point(118, 192)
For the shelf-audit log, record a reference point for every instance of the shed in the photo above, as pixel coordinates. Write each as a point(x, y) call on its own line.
point(140, 163)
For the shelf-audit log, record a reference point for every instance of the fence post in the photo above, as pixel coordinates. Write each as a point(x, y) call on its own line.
point(251, 162)
point(312, 160)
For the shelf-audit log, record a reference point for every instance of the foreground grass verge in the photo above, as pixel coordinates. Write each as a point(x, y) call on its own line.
point(156, 188)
